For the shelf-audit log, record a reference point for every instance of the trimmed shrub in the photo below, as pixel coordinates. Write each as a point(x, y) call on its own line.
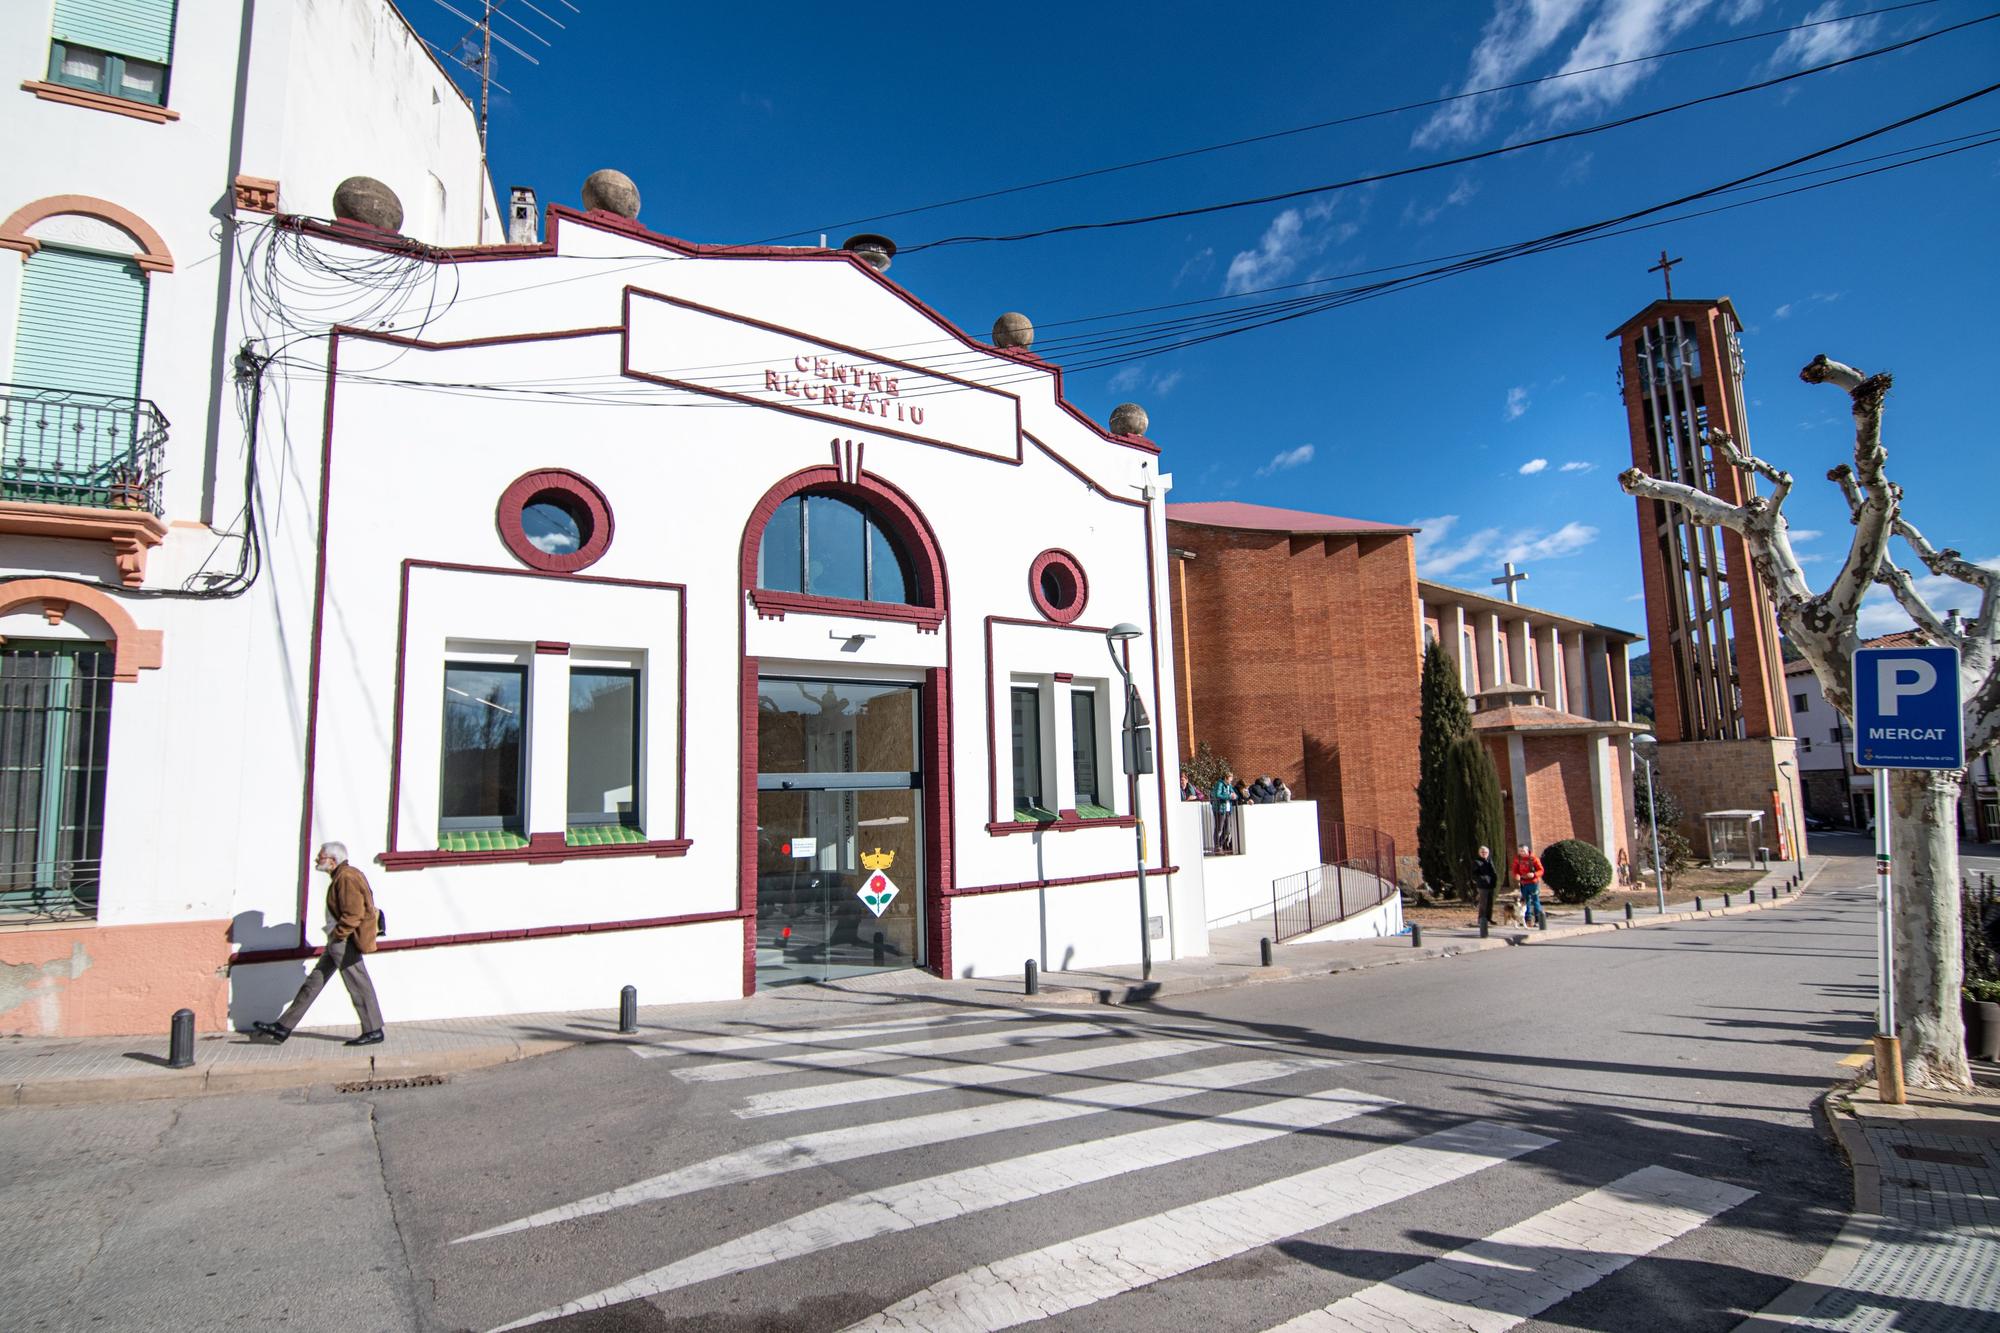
point(1575, 870)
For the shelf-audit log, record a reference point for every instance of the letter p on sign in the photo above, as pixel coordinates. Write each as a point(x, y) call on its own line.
point(1896, 679)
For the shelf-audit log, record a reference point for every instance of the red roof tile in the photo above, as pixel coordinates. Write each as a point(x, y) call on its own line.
point(1263, 518)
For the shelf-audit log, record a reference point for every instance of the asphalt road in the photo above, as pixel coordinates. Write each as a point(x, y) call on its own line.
point(1616, 1130)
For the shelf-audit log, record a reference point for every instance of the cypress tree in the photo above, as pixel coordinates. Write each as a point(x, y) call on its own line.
point(1474, 816)
point(1445, 719)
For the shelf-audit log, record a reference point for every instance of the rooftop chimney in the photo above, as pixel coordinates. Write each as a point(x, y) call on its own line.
point(521, 221)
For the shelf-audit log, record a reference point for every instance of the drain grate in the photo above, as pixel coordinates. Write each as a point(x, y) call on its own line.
point(391, 1084)
point(1941, 1156)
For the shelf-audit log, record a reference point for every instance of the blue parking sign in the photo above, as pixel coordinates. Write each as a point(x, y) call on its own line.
point(1907, 709)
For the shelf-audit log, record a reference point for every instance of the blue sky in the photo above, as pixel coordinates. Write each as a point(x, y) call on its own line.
point(1481, 406)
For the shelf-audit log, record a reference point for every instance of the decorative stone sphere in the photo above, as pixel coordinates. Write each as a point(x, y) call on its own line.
point(875, 251)
point(609, 191)
point(1013, 330)
point(1129, 419)
point(365, 199)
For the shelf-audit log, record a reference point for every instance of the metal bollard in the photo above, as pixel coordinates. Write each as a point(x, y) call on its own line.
point(1416, 936)
point(1482, 928)
point(1588, 919)
point(881, 949)
point(1628, 911)
point(1726, 900)
point(1032, 978)
point(1697, 902)
point(180, 1041)
point(628, 1010)
point(1541, 921)
point(1264, 951)
point(1753, 895)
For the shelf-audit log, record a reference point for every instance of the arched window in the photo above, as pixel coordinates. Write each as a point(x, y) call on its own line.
point(825, 546)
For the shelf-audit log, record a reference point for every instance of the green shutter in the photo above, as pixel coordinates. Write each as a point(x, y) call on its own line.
point(83, 323)
point(142, 29)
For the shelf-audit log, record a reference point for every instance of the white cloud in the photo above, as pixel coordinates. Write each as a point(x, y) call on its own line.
point(1164, 384)
point(1517, 402)
point(1622, 31)
point(1126, 379)
point(1578, 169)
point(1636, 597)
point(1439, 557)
point(1197, 265)
point(1783, 312)
point(1532, 466)
point(1881, 615)
point(1741, 11)
point(1135, 376)
point(1293, 236)
point(1287, 460)
point(1518, 33)
point(1829, 41)
point(1804, 534)
point(1460, 195)
point(1809, 558)
point(1576, 466)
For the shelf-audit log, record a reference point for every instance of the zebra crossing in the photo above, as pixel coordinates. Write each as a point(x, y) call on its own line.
point(1056, 1106)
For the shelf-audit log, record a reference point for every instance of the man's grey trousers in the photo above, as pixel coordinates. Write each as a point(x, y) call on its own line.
point(341, 956)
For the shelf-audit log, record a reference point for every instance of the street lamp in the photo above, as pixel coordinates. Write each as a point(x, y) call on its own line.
point(1138, 745)
point(1659, 872)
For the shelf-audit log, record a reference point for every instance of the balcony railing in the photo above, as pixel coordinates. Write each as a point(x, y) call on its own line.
point(63, 446)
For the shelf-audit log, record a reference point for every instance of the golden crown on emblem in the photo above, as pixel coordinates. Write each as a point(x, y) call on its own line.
point(878, 859)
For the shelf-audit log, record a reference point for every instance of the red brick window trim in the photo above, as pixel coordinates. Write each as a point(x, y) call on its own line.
point(550, 492)
point(1057, 584)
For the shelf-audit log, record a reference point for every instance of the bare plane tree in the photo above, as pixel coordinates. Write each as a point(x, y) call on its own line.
point(1924, 804)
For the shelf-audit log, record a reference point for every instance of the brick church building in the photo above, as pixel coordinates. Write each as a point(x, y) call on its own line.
point(1299, 640)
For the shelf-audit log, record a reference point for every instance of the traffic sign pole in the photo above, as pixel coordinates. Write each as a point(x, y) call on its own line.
point(1888, 1047)
point(1907, 714)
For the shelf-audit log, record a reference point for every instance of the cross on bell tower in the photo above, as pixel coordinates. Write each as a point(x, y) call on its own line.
point(1665, 268)
point(1510, 578)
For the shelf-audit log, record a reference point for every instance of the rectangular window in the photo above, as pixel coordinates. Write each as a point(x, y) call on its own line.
point(1837, 734)
point(485, 725)
point(121, 48)
point(1028, 793)
point(603, 746)
point(1805, 743)
point(1083, 752)
point(1798, 703)
point(55, 726)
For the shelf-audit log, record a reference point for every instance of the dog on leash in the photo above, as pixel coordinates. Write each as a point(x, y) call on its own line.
point(1512, 906)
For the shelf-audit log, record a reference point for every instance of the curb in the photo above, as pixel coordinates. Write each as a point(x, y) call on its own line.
point(222, 1082)
point(1864, 1222)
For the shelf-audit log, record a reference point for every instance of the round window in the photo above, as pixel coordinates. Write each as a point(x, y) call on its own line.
point(1057, 584)
point(555, 521)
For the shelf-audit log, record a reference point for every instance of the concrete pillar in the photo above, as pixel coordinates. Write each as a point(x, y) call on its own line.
point(1548, 660)
point(1598, 663)
point(1486, 634)
point(1602, 775)
point(1576, 682)
point(1621, 683)
point(1517, 780)
point(1451, 637)
point(1520, 661)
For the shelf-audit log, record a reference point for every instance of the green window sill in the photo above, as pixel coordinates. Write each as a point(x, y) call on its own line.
point(602, 835)
point(480, 840)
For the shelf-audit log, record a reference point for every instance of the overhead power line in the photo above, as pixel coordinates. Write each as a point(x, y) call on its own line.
point(1445, 163)
point(1352, 119)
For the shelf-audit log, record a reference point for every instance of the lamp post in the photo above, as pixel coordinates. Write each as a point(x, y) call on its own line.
point(1138, 747)
point(1659, 873)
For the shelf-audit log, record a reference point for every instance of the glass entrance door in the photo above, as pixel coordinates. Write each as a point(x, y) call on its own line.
point(839, 829)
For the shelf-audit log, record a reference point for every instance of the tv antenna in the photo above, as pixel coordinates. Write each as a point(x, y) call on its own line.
point(473, 53)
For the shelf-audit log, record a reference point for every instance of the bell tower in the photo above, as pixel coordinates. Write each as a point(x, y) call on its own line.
point(1720, 707)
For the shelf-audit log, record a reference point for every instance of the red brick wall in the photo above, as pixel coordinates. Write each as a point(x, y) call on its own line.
point(1306, 655)
point(1559, 789)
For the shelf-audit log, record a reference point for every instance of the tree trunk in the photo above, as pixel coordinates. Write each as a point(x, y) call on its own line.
point(1923, 827)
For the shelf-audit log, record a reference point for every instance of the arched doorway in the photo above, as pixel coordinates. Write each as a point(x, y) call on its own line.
point(845, 841)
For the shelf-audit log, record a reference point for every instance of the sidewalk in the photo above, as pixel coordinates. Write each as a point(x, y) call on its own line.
point(39, 1071)
point(1922, 1249)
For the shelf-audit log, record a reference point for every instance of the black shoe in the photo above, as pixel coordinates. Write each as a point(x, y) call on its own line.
point(274, 1031)
point(365, 1039)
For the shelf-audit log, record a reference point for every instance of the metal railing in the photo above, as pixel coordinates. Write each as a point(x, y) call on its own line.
point(1361, 876)
point(65, 446)
point(55, 726)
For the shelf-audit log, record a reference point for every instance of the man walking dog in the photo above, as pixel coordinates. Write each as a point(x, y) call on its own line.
point(354, 923)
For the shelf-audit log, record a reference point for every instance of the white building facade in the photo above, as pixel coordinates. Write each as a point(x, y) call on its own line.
point(636, 612)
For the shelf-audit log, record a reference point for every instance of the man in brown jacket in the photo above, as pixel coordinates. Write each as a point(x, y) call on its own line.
point(350, 906)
